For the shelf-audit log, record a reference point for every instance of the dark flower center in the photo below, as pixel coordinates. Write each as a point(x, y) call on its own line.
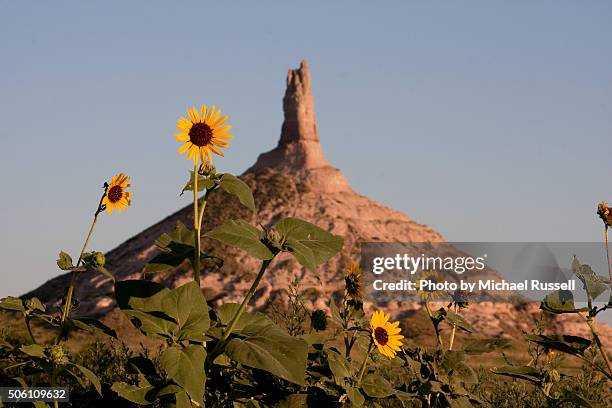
point(200, 134)
point(114, 194)
point(381, 336)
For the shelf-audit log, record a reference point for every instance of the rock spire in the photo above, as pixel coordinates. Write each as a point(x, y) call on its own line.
point(299, 149)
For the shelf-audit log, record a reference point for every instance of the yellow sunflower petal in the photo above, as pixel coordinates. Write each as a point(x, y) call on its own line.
point(183, 148)
point(182, 137)
point(203, 113)
point(219, 122)
point(214, 149)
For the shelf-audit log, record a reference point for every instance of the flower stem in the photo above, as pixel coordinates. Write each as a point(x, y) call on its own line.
point(591, 323)
point(232, 324)
point(73, 274)
point(452, 335)
point(364, 364)
point(433, 323)
point(27, 323)
point(608, 254)
point(196, 227)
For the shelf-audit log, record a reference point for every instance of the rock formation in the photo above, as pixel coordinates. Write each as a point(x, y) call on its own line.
point(294, 179)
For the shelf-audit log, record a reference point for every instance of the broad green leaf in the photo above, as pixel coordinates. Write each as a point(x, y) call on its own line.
point(478, 346)
point(525, 373)
point(408, 400)
point(374, 385)
point(227, 311)
point(175, 247)
point(310, 244)
point(453, 318)
point(559, 301)
point(294, 401)
point(182, 400)
point(12, 303)
point(134, 294)
point(185, 366)
point(141, 301)
point(593, 284)
point(239, 188)
point(94, 325)
point(90, 376)
point(568, 344)
point(152, 325)
point(338, 365)
point(355, 396)
point(34, 350)
point(269, 348)
point(188, 307)
point(189, 185)
point(64, 261)
point(133, 393)
point(243, 235)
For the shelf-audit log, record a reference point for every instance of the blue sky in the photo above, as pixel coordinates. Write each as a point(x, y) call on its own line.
point(489, 121)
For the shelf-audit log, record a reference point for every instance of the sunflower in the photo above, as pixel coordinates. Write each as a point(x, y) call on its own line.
point(426, 292)
point(116, 198)
point(352, 282)
point(202, 133)
point(385, 334)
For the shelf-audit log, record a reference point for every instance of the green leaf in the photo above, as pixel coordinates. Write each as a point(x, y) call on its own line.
point(65, 261)
point(34, 304)
point(479, 346)
point(239, 188)
point(93, 326)
point(175, 247)
point(133, 393)
point(355, 396)
point(188, 307)
point(568, 344)
point(181, 313)
point(269, 348)
point(338, 365)
point(243, 235)
point(294, 401)
point(141, 301)
point(226, 312)
point(185, 366)
point(105, 272)
point(374, 385)
point(90, 376)
point(453, 318)
point(525, 373)
point(12, 303)
point(593, 284)
point(559, 301)
point(189, 185)
point(310, 244)
point(182, 400)
point(33, 350)
point(136, 293)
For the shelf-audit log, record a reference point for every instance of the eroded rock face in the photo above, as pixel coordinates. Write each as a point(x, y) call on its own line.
point(299, 149)
point(296, 180)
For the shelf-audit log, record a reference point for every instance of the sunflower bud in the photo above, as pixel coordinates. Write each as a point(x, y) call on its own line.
point(552, 376)
point(605, 213)
point(461, 298)
point(57, 355)
point(318, 320)
point(273, 240)
point(207, 169)
point(94, 259)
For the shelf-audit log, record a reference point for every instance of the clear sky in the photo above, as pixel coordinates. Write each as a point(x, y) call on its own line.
point(487, 120)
